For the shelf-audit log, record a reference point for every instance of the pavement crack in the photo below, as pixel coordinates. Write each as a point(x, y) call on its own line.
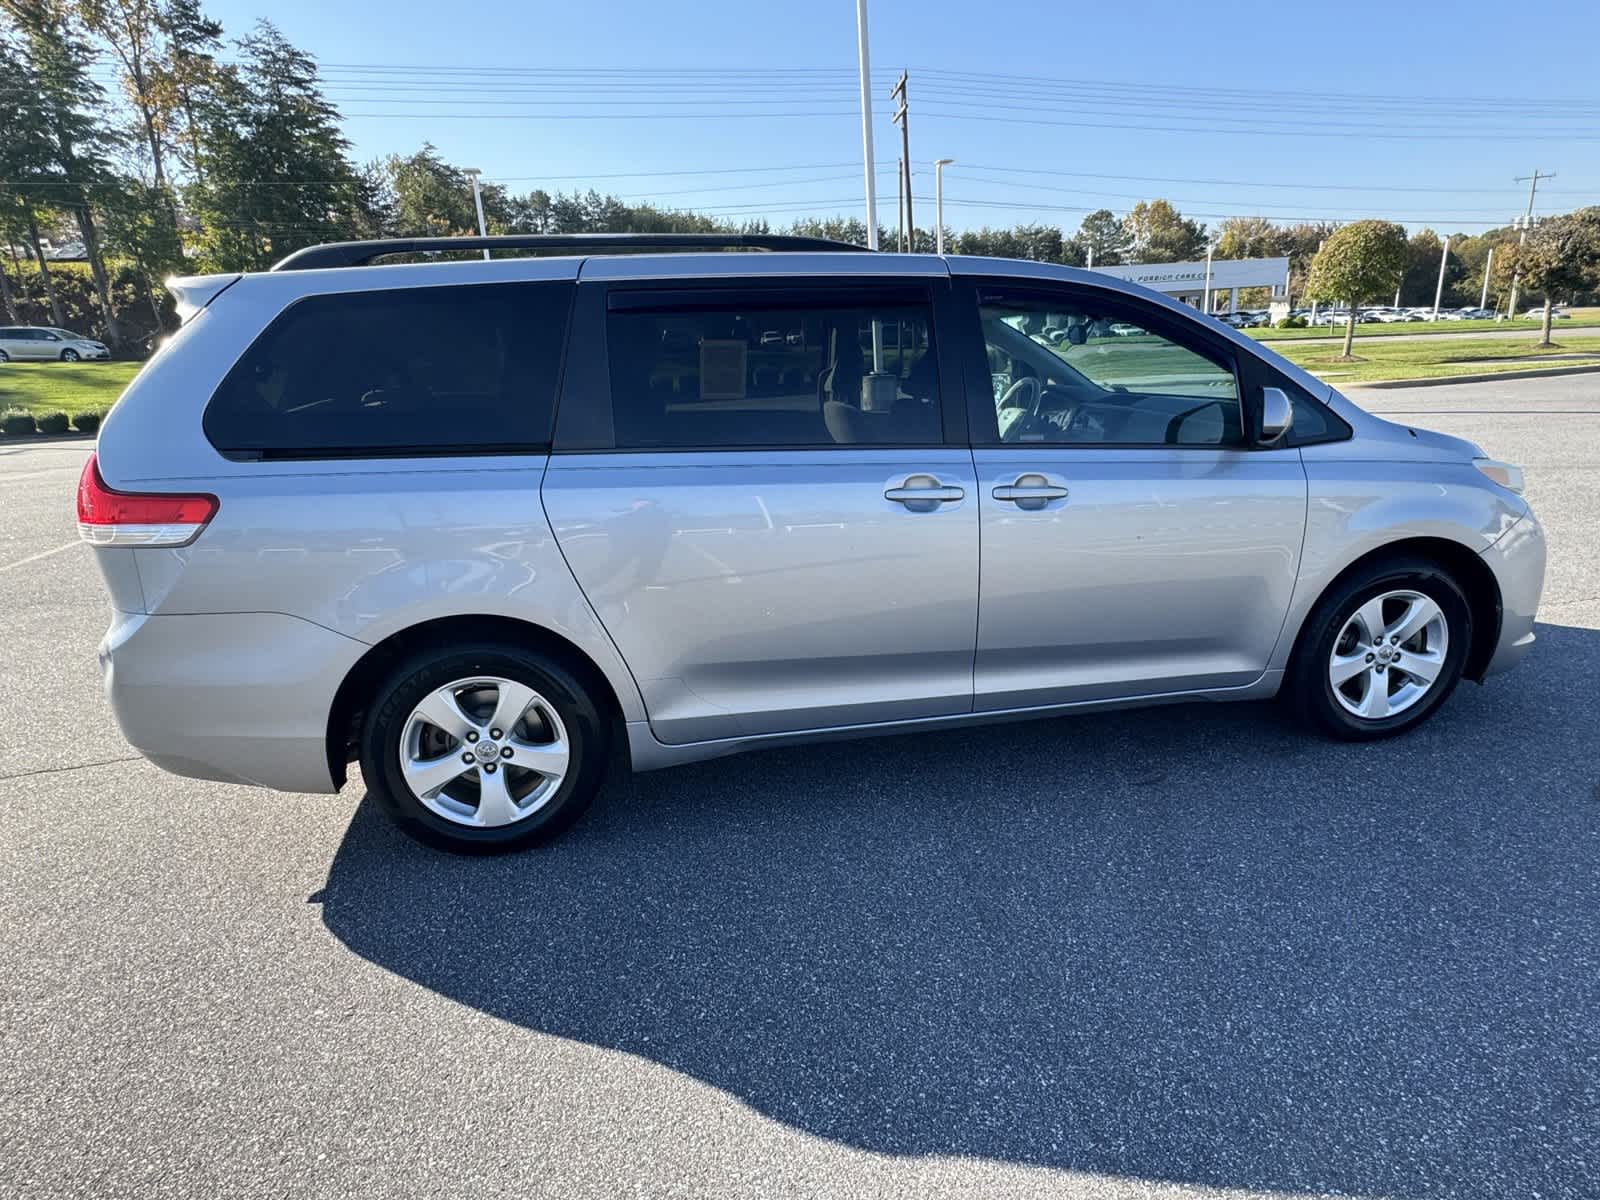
point(104, 762)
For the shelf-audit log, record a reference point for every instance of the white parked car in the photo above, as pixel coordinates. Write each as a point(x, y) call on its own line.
point(1537, 314)
point(21, 343)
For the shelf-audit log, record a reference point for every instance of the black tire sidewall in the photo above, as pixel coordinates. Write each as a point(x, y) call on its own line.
point(416, 677)
point(1313, 693)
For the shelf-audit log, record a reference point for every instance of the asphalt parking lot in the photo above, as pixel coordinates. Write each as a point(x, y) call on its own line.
point(1176, 952)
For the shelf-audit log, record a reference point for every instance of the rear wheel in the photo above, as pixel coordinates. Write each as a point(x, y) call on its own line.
point(1381, 651)
point(483, 748)
point(69, 355)
point(4, 357)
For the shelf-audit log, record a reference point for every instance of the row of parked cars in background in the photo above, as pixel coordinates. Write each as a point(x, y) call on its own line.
point(1377, 314)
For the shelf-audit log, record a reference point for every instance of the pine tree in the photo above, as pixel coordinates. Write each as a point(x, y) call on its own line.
point(80, 140)
point(276, 176)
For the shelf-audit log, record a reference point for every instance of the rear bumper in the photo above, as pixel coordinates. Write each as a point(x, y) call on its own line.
point(238, 697)
point(1517, 561)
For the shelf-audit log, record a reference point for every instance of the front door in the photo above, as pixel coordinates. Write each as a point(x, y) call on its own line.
point(770, 519)
point(1132, 544)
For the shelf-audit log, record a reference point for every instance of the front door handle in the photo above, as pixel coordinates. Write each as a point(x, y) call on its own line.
point(1031, 491)
point(923, 493)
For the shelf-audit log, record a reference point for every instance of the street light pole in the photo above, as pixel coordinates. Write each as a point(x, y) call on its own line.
point(1483, 300)
point(939, 164)
point(472, 173)
point(1205, 305)
point(1438, 291)
point(866, 123)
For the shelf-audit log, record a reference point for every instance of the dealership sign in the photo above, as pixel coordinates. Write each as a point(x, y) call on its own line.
point(1190, 277)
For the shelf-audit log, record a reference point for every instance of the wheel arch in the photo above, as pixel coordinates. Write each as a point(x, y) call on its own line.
point(356, 690)
point(1466, 567)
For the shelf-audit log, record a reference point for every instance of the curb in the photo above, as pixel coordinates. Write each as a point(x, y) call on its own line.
point(1480, 377)
point(44, 439)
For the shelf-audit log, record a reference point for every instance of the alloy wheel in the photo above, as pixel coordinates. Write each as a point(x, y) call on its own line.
point(484, 752)
point(1389, 653)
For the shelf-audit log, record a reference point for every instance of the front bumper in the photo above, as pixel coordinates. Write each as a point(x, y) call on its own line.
point(237, 697)
point(1517, 561)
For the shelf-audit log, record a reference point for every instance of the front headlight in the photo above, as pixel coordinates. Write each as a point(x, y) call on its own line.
point(1504, 474)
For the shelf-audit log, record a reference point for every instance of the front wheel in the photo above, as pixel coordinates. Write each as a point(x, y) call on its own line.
point(4, 357)
point(69, 356)
point(1381, 651)
point(483, 748)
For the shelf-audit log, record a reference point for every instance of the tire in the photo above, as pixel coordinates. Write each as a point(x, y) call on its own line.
point(462, 816)
point(1336, 640)
point(69, 356)
point(4, 357)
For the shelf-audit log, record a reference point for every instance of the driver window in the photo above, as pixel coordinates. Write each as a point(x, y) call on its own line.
point(1069, 375)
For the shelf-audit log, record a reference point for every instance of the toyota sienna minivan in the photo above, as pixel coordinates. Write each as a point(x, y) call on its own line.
point(472, 524)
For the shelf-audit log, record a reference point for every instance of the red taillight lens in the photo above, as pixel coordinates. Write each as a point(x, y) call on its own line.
point(110, 518)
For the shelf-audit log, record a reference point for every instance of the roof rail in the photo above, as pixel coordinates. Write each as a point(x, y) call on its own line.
point(360, 254)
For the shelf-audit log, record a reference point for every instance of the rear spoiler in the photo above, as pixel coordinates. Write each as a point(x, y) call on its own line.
point(194, 292)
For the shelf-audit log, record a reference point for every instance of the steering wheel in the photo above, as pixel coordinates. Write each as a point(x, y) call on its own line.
point(1022, 384)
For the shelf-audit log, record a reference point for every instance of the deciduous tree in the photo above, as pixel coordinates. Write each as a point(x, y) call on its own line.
point(1561, 254)
point(1250, 237)
point(1358, 263)
point(1160, 233)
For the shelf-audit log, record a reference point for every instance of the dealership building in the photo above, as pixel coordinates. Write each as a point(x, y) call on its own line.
point(1187, 281)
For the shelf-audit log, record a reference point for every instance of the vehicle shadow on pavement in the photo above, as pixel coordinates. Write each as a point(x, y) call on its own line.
point(1188, 944)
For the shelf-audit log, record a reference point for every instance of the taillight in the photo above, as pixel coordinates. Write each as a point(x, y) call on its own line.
point(111, 518)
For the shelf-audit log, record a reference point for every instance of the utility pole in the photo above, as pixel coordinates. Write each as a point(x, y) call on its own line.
point(1527, 222)
point(899, 93)
point(1438, 292)
point(1483, 300)
point(939, 164)
point(900, 207)
point(866, 124)
point(472, 173)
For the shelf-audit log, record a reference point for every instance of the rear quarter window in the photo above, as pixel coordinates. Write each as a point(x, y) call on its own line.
point(463, 369)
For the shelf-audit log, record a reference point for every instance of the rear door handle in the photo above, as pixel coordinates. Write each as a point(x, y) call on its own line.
point(923, 493)
point(1030, 491)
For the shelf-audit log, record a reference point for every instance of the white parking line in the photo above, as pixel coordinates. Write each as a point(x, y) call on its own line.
point(67, 470)
point(22, 562)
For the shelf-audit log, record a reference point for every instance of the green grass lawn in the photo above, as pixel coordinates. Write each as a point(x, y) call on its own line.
point(63, 387)
point(1587, 319)
point(1437, 360)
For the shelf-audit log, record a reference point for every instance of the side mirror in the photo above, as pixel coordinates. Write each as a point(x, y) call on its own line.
point(1077, 335)
point(1277, 415)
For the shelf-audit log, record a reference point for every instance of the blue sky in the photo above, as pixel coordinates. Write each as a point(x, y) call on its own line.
point(1286, 109)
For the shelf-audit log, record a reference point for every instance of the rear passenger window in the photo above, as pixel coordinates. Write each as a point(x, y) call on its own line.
point(802, 374)
point(470, 369)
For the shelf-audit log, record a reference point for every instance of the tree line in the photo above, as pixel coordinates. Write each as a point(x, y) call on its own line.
point(217, 155)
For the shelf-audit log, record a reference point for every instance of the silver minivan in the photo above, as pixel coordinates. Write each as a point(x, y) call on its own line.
point(477, 524)
point(42, 343)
